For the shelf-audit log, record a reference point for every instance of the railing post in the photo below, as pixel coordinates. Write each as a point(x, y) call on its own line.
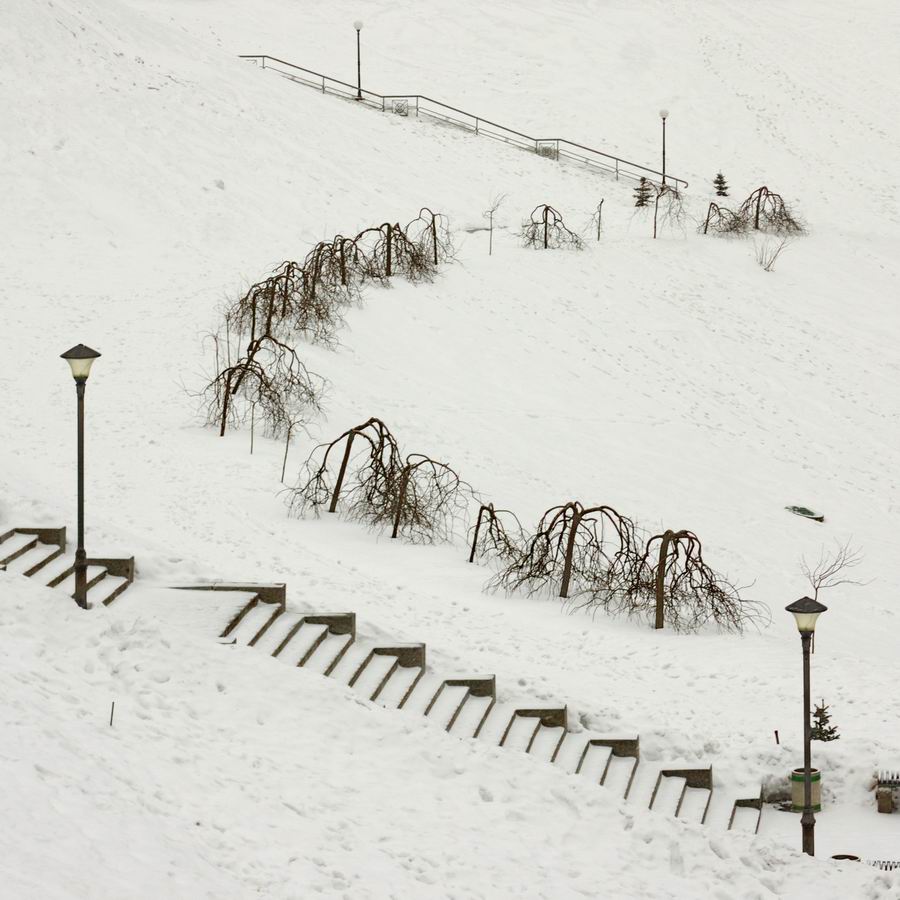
point(417, 106)
point(263, 62)
point(617, 168)
point(476, 124)
point(323, 84)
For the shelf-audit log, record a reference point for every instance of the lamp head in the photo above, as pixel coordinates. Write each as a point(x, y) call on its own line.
point(358, 24)
point(805, 612)
point(80, 359)
point(664, 114)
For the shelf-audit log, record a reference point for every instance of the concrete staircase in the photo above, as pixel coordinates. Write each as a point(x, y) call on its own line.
point(40, 553)
point(396, 676)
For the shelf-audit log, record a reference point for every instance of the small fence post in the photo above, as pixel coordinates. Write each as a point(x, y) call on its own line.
point(476, 124)
point(617, 169)
point(263, 62)
point(323, 84)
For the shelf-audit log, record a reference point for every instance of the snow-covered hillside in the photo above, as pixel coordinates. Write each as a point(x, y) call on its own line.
point(147, 172)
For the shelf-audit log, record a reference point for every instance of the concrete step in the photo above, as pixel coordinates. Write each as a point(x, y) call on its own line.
point(329, 653)
point(475, 711)
point(445, 704)
point(33, 560)
point(385, 661)
point(95, 574)
point(15, 545)
point(257, 616)
point(108, 589)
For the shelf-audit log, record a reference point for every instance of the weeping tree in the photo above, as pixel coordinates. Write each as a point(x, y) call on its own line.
point(431, 498)
point(673, 583)
point(546, 230)
point(668, 207)
point(721, 220)
point(767, 211)
point(496, 534)
point(270, 380)
point(364, 472)
point(372, 480)
point(431, 232)
point(577, 551)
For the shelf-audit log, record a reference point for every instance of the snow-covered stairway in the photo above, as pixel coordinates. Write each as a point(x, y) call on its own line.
point(396, 676)
point(41, 553)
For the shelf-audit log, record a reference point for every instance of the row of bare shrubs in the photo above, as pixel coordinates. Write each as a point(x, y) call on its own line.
point(592, 557)
point(257, 368)
point(763, 211)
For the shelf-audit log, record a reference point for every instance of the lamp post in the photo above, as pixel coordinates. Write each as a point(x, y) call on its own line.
point(358, 26)
point(805, 612)
point(664, 114)
point(80, 359)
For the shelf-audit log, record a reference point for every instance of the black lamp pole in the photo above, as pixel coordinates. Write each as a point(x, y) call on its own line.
point(806, 611)
point(664, 114)
point(80, 359)
point(358, 26)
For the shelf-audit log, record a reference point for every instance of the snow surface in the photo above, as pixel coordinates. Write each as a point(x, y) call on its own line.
point(153, 173)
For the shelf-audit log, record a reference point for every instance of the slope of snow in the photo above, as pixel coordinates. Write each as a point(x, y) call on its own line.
point(152, 173)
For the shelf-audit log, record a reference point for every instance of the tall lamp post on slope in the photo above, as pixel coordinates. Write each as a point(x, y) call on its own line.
point(358, 26)
point(80, 359)
point(805, 612)
point(664, 114)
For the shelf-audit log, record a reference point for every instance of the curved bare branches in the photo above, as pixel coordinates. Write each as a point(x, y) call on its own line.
point(546, 230)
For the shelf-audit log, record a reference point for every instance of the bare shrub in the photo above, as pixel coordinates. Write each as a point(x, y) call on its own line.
point(373, 474)
point(496, 534)
point(721, 220)
point(767, 252)
point(431, 498)
point(269, 377)
point(546, 230)
point(576, 552)
point(765, 210)
point(431, 232)
point(417, 497)
point(673, 584)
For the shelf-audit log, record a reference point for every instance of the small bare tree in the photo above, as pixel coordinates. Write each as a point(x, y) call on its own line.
point(269, 376)
point(431, 232)
point(832, 568)
point(430, 499)
point(765, 210)
point(668, 207)
point(497, 534)
point(546, 230)
point(721, 220)
point(574, 551)
point(489, 214)
point(673, 581)
point(370, 487)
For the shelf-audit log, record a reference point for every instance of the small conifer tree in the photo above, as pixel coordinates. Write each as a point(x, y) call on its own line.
point(822, 730)
point(720, 185)
point(642, 193)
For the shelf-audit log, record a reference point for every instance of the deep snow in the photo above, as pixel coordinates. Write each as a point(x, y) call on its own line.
point(152, 173)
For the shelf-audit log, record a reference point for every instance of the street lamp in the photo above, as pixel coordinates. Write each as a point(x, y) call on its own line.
point(358, 26)
point(806, 611)
point(664, 114)
point(80, 359)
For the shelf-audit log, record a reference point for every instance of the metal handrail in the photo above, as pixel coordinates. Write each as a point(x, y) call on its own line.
point(556, 146)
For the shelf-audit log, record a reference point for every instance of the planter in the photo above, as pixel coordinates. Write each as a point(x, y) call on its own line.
point(798, 776)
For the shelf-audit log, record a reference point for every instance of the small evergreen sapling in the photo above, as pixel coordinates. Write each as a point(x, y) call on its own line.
point(643, 193)
point(720, 185)
point(822, 730)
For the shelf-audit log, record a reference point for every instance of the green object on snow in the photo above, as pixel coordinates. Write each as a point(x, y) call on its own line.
point(806, 513)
